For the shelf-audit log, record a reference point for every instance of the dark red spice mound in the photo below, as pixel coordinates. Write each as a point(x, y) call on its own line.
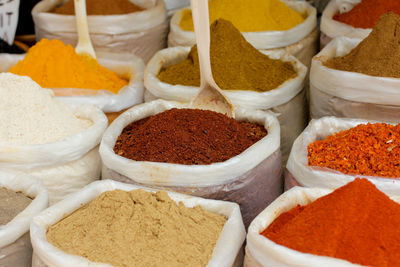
point(187, 136)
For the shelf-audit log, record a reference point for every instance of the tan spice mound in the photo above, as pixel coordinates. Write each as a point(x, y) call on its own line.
point(235, 63)
point(139, 228)
point(376, 55)
point(367, 149)
point(100, 7)
point(11, 204)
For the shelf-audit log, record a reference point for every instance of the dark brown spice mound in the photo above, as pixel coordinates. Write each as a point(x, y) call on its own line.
point(187, 136)
point(100, 7)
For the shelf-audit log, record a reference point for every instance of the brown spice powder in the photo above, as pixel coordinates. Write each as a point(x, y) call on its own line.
point(11, 204)
point(139, 228)
point(100, 7)
point(376, 55)
point(187, 136)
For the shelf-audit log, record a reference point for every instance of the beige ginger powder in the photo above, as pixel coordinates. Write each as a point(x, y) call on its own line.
point(139, 228)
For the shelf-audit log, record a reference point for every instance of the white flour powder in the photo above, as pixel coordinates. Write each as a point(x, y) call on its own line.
point(30, 114)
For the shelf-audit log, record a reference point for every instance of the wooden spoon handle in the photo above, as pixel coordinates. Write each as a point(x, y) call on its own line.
point(84, 45)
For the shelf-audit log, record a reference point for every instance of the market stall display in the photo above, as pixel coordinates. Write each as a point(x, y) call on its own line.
point(210, 232)
point(293, 230)
point(21, 198)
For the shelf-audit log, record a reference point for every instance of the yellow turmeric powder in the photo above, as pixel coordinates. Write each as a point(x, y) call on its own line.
point(52, 64)
point(249, 15)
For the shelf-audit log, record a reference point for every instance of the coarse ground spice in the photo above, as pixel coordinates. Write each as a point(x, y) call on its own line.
point(356, 222)
point(187, 136)
point(235, 63)
point(378, 54)
point(11, 204)
point(139, 228)
point(100, 7)
point(366, 14)
point(367, 149)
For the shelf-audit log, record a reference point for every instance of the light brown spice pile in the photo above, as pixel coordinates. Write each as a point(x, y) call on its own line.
point(139, 228)
point(11, 204)
point(376, 55)
point(100, 7)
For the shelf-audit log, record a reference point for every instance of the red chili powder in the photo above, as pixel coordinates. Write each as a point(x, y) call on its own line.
point(367, 13)
point(367, 149)
point(187, 136)
point(356, 222)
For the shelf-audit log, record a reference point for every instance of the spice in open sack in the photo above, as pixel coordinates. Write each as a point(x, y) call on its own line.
point(356, 222)
point(366, 13)
point(139, 228)
point(100, 7)
point(11, 204)
point(249, 16)
point(52, 64)
point(378, 54)
point(235, 64)
point(367, 149)
point(187, 136)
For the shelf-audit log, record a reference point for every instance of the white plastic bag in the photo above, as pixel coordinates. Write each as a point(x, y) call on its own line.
point(253, 179)
point(142, 33)
point(314, 176)
point(287, 100)
point(301, 41)
point(351, 94)
point(121, 63)
point(331, 28)
point(64, 166)
point(225, 252)
point(15, 246)
point(262, 252)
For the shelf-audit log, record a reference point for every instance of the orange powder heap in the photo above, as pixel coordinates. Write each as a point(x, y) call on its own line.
point(100, 7)
point(356, 222)
point(367, 149)
point(52, 64)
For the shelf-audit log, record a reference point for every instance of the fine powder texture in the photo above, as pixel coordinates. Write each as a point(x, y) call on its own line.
point(356, 222)
point(376, 55)
point(187, 136)
point(30, 114)
point(52, 64)
point(367, 149)
point(100, 7)
point(249, 16)
point(235, 63)
point(366, 14)
point(139, 228)
point(11, 204)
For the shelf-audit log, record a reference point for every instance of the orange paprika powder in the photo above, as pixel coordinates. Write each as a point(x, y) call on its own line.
point(366, 14)
point(367, 149)
point(356, 222)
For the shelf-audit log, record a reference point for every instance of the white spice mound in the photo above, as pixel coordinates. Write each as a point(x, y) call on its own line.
point(30, 114)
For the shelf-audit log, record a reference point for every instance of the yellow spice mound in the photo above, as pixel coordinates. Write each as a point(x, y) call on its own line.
point(250, 15)
point(52, 64)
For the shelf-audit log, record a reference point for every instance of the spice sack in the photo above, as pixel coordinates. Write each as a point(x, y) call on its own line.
point(123, 64)
point(15, 245)
point(350, 94)
point(262, 252)
point(252, 178)
point(331, 28)
point(301, 174)
point(142, 33)
point(287, 101)
point(300, 41)
point(226, 251)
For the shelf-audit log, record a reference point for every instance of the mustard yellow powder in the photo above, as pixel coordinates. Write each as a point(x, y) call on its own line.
point(249, 15)
point(52, 64)
point(140, 229)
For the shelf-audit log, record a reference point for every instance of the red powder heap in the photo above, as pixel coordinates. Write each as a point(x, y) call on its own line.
point(356, 222)
point(366, 14)
point(187, 136)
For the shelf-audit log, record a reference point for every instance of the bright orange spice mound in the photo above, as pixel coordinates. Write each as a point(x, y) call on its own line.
point(367, 149)
point(356, 222)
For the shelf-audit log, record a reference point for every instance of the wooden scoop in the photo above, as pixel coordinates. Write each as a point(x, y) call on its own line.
point(84, 46)
point(210, 96)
